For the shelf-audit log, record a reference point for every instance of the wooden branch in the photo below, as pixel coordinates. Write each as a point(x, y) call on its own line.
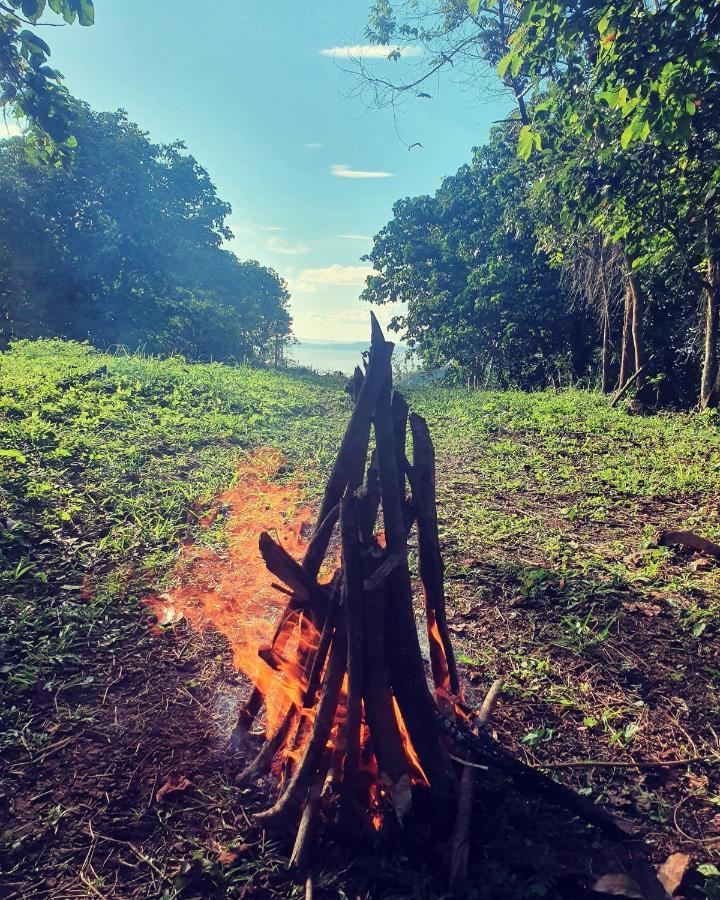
point(484, 749)
point(299, 858)
point(262, 762)
point(352, 569)
point(629, 383)
point(369, 501)
point(461, 836)
point(284, 567)
point(350, 462)
point(291, 799)
point(319, 543)
point(320, 658)
point(380, 715)
point(407, 672)
point(689, 539)
point(432, 570)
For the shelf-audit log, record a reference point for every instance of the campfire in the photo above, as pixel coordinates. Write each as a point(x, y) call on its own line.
point(358, 734)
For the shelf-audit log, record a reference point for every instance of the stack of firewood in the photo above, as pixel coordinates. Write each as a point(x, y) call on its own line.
point(362, 732)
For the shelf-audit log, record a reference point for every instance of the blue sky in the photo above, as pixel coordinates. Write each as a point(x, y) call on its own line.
point(265, 111)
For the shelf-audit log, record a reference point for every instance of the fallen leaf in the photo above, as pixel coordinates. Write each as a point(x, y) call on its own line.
point(618, 885)
point(673, 870)
point(174, 785)
point(646, 609)
point(701, 565)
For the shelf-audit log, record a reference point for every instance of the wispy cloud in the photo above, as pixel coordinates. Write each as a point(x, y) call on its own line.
point(370, 51)
point(252, 228)
point(343, 171)
point(355, 237)
point(307, 281)
point(312, 145)
point(278, 245)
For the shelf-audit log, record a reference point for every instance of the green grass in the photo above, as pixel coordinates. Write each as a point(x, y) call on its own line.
point(106, 464)
point(548, 506)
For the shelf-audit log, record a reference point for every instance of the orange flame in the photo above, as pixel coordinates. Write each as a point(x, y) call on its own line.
point(233, 591)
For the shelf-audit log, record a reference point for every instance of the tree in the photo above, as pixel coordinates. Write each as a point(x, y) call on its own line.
point(644, 79)
point(470, 44)
point(125, 246)
point(482, 301)
point(29, 87)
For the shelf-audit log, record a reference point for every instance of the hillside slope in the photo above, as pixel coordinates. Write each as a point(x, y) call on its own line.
point(548, 502)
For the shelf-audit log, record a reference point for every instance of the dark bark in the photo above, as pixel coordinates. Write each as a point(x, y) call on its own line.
point(407, 671)
point(379, 709)
point(432, 570)
point(350, 462)
point(292, 797)
point(352, 570)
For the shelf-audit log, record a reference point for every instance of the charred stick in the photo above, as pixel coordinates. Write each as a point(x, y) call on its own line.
point(320, 658)
point(284, 567)
point(252, 707)
point(387, 741)
point(460, 840)
point(352, 567)
point(432, 570)
point(350, 462)
point(262, 762)
point(291, 799)
point(407, 671)
point(317, 548)
point(482, 748)
point(369, 501)
point(300, 856)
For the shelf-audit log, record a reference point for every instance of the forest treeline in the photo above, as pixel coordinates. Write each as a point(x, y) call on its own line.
point(122, 244)
point(582, 242)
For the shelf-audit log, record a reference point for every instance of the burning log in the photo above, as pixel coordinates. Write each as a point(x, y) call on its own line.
point(361, 725)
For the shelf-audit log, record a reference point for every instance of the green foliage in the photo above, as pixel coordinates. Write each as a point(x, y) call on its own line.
point(108, 462)
point(29, 87)
point(482, 301)
point(124, 246)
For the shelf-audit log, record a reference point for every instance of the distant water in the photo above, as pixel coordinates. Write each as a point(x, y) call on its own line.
point(333, 356)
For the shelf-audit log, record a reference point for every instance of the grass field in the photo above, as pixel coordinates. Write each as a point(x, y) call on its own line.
point(549, 505)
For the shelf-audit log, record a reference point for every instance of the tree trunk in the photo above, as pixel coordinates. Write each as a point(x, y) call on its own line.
point(606, 355)
point(625, 349)
point(710, 374)
point(638, 313)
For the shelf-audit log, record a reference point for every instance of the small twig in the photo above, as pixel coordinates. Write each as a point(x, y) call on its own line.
point(461, 835)
point(637, 764)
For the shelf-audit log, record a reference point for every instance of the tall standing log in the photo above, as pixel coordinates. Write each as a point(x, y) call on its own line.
point(349, 465)
point(352, 568)
point(405, 659)
point(432, 570)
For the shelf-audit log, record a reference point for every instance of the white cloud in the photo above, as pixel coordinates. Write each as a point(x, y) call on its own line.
point(343, 171)
point(251, 228)
point(308, 281)
point(278, 245)
point(370, 51)
point(312, 146)
point(355, 237)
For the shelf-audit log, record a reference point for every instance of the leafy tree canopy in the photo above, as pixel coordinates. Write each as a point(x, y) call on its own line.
point(125, 246)
point(29, 87)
